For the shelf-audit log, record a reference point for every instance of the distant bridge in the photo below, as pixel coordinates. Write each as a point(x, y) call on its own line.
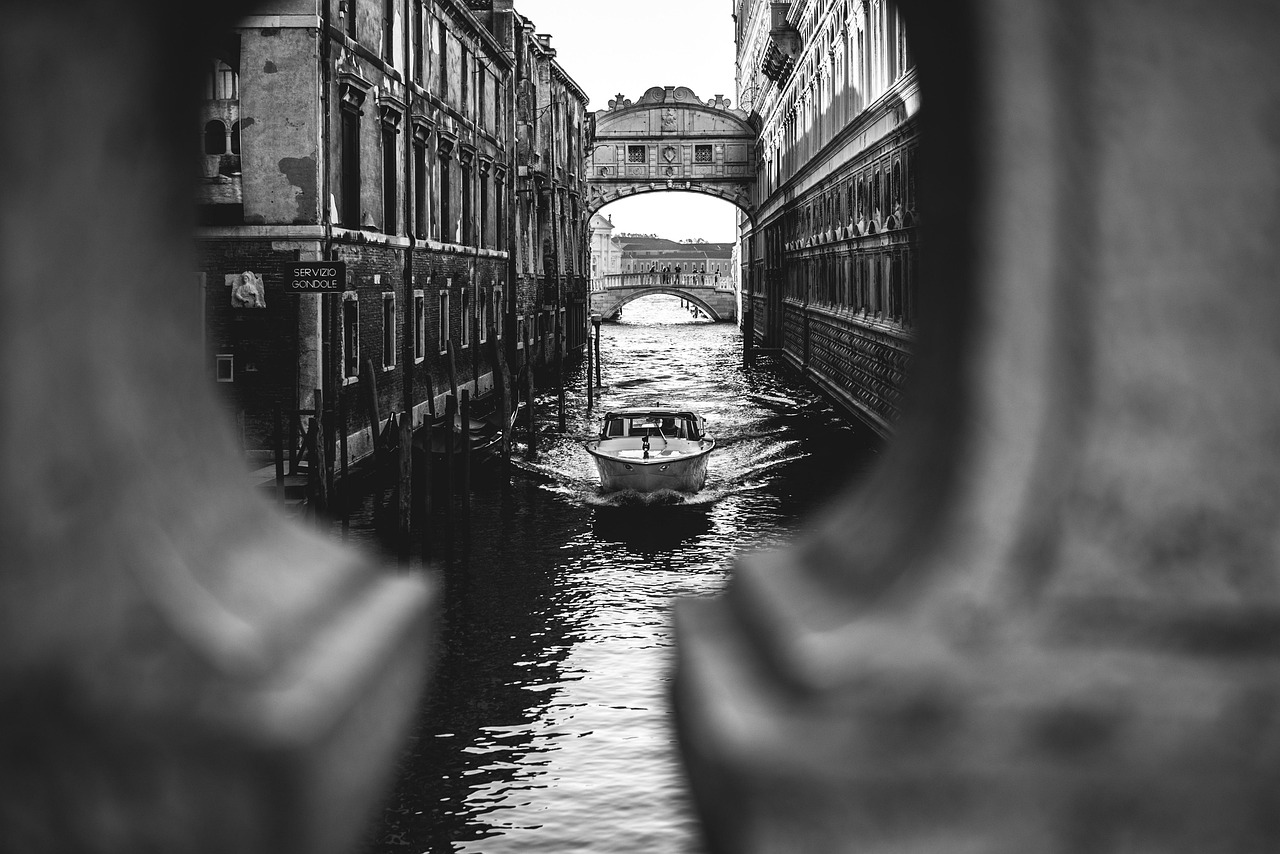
point(713, 294)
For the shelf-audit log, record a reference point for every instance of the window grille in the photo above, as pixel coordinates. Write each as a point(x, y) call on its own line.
point(702, 154)
point(636, 154)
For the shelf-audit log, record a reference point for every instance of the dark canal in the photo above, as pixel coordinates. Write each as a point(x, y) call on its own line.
point(547, 727)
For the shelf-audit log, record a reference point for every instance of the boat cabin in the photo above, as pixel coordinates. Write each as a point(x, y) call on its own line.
point(664, 424)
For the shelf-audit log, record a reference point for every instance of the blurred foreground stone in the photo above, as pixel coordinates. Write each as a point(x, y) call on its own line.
point(181, 669)
point(1049, 622)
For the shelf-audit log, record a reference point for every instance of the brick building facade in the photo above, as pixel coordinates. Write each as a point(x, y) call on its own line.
point(434, 147)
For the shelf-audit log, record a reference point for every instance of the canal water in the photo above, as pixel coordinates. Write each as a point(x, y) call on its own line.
point(547, 726)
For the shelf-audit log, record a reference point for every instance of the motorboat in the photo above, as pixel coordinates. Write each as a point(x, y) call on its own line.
point(652, 448)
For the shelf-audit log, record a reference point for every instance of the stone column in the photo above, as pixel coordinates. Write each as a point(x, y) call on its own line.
point(181, 668)
point(1049, 621)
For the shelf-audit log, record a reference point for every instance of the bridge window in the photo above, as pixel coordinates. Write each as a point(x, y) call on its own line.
point(702, 154)
point(636, 154)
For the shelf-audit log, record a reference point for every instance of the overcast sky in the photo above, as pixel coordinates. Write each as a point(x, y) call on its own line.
point(612, 48)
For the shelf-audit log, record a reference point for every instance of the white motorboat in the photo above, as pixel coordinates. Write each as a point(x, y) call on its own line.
point(647, 449)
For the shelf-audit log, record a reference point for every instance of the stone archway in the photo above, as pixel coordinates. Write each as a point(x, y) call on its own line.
point(670, 139)
point(717, 305)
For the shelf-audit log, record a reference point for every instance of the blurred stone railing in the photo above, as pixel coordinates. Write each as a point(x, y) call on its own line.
point(1048, 621)
point(182, 669)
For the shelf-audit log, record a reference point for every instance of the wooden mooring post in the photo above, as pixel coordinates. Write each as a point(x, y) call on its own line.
point(404, 488)
point(345, 486)
point(317, 478)
point(450, 414)
point(278, 450)
point(529, 403)
point(596, 321)
point(369, 391)
point(464, 486)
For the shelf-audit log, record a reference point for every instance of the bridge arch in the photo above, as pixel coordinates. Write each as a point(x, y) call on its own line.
point(670, 139)
point(718, 305)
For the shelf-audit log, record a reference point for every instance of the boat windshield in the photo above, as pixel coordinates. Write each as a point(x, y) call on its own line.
point(675, 426)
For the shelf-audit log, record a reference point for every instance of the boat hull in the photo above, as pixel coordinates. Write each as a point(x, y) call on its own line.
point(682, 473)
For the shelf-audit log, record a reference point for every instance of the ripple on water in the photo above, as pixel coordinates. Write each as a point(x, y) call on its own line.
point(548, 728)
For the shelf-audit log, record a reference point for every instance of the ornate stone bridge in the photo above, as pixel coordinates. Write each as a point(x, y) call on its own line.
point(714, 295)
point(670, 139)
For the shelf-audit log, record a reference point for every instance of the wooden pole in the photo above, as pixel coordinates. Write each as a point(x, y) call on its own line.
point(529, 403)
point(369, 391)
point(596, 321)
point(278, 437)
point(451, 367)
point(559, 369)
point(319, 467)
point(428, 465)
point(591, 391)
point(450, 413)
point(465, 450)
point(404, 488)
point(345, 494)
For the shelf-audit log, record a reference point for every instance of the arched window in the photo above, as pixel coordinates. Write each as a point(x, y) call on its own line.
point(215, 138)
point(235, 138)
point(222, 83)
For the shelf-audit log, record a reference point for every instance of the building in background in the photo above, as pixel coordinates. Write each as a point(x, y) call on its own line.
point(606, 250)
point(829, 258)
point(432, 146)
point(648, 253)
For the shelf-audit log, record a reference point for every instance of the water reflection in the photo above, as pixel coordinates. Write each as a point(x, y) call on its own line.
point(547, 728)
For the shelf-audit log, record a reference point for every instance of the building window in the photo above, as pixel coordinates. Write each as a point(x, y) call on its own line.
point(484, 316)
point(466, 204)
point(484, 211)
point(520, 332)
point(224, 367)
point(389, 223)
point(702, 154)
point(222, 83)
point(497, 313)
point(417, 42)
point(482, 115)
point(235, 137)
point(442, 58)
point(347, 8)
point(500, 97)
point(388, 30)
point(637, 154)
point(350, 157)
point(388, 331)
point(499, 210)
point(350, 336)
point(420, 190)
point(446, 209)
point(466, 317)
point(464, 79)
point(443, 323)
point(419, 325)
